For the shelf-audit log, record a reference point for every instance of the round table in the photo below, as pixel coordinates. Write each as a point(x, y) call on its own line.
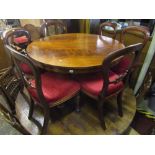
point(72, 53)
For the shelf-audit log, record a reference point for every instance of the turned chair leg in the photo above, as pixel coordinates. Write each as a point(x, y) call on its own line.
point(101, 114)
point(31, 109)
point(46, 121)
point(119, 104)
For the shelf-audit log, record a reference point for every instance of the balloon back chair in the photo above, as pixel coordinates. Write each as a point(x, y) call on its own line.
point(9, 84)
point(141, 30)
point(45, 89)
point(108, 83)
point(18, 38)
point(112, 32)
point(33, 30)
point(52, 27)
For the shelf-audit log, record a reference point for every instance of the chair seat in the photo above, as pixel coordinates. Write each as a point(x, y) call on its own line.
point(25, 68)
point(55, 88)
point(21, 40)
point(93, 85)
point(122, 66)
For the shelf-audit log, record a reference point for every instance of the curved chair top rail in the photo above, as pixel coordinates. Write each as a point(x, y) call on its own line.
point(113, 25)
point(56, 24)
point(141, 29)
point(108, 61)
point(33, 30)
point(17, 32)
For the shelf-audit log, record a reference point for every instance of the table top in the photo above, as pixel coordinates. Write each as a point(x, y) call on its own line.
point(72, 52)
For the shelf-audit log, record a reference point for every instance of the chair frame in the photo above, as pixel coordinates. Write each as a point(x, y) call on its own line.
point(44, 27)
point(107, 63)
point(37, 77)
point(113, 25)
point(130, 29)
point(32, 29)
point(146, 34)
point(7, 34)
point(7, 78)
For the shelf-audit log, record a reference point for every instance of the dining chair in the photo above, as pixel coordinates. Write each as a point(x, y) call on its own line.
point(139, 30)
point(33, 31)
point(102, 86)
point(18, 38)
point(46, 89)
point(108, 24)
point(50, 27)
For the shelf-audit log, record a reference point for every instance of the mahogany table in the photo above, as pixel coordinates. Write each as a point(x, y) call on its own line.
point(72, 53)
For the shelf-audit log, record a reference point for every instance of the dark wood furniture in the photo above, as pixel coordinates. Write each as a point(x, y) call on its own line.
point(72, 53)
point(139, 29)
point(45, 89)
point(125, 62)
point(108, 24)
point(10, 85)
point(18, 38)
point(34, 31)
point(14, 38)
point(65, 121)
point(107, 84)
point(46, 28)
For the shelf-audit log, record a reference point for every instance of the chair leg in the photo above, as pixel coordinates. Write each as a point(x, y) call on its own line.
point(31, 109)
point(119, 104)
point(46, 121)
point(101, 114)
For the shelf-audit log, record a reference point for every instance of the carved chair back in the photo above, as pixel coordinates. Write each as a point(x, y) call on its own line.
point(132, 29)
point(108, 24)
point(58, 28)
point(116, 56)
point(36, 74)
point(33, 30)
point(10, 35)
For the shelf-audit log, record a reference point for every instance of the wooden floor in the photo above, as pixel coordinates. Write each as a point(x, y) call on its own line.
point(65, 121)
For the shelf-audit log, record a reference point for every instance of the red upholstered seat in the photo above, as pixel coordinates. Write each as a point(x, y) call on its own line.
point(20, 40)
point(94, 84)
point(122, 66)
point(55, 87)
point(25, 68)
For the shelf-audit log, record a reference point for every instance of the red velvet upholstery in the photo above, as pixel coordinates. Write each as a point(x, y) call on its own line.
point(94, 84)
point(122, 66)
point(25, 68)
point(20, 40)
point(55, 87)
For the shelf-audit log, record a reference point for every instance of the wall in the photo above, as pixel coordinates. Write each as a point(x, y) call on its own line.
point(35, 22)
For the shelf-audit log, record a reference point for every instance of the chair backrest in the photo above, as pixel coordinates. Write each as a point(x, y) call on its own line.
point(33, 30)
point(36, 75)
point(108, 24)
point(114, 57)
point(46, 28)
point(9, 37)
point(138, 29)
